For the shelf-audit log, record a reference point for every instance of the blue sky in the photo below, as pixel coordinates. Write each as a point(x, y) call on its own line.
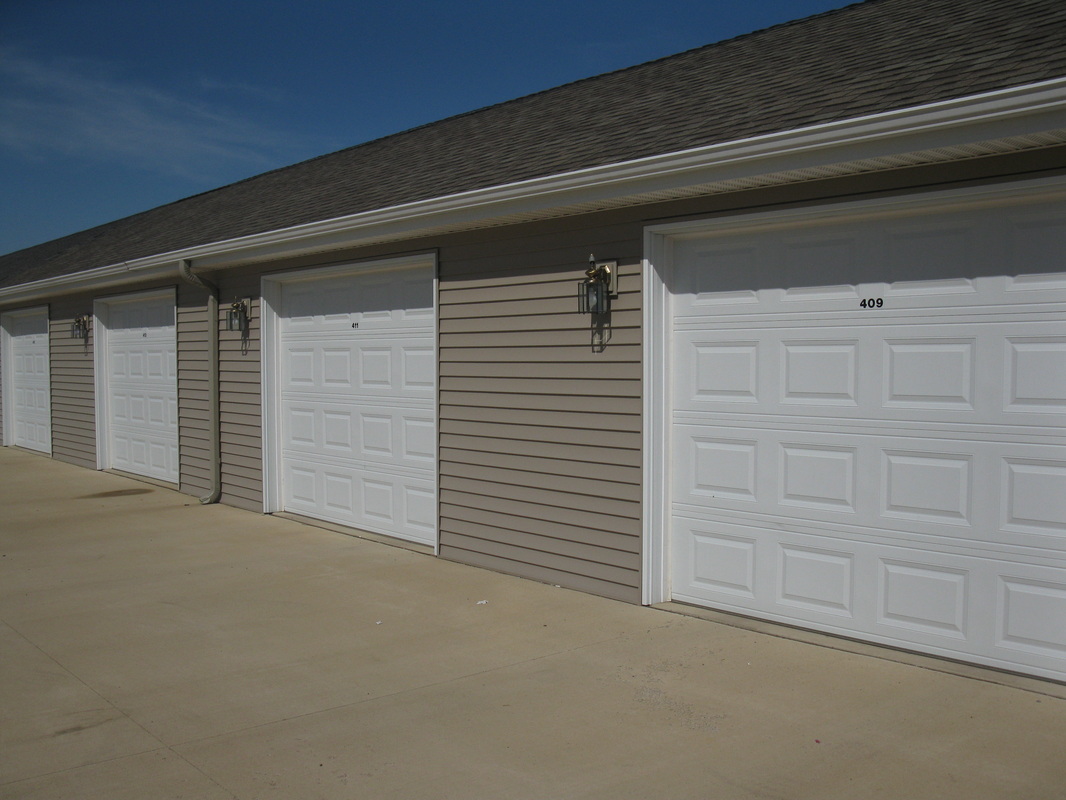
point(110, 107)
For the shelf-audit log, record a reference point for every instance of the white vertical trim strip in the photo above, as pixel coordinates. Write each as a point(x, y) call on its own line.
point(269, 308)
point(5, 380)
point(655, 586)
point(101, 321)
point(436, 409)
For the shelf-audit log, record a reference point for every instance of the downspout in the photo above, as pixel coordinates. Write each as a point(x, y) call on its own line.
point(214, 416)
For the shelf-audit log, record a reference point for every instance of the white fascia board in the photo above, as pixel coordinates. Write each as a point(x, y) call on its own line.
point(994, 116)
point(111, 276)
point(1008, 113)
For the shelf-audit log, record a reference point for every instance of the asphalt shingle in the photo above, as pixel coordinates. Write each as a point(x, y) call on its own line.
point(867, 58)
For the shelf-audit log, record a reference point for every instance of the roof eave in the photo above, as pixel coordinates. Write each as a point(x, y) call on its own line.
point(1008, 120)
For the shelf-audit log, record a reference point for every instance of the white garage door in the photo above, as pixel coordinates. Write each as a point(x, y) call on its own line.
point(357, 399)
point(139, 394)
point(27, 392)
point(868, 427)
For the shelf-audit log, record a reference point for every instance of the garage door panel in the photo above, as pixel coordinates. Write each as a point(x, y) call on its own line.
point(36, 436)
point(958, 372)
point(981, 248)
point(931, 372)
point(707, 289)
point(144, 363)
point(143, 409)
point(1033, 500)
point(32, 400)
point(820, 372)
point(368, 497)
point(367, 432)
point(370, 301)
point(1032, 616)
point(973, 493)
point(130, 319)
point(939, 603)
point(1034, 368)
point(923, 597)
point(400, 368)
point(32, 435)
point(778, 572)
point(144, 455)
point(928, 486)
point(135, 448)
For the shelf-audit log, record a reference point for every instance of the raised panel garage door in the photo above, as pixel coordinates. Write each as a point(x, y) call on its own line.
point(868, 427)
point(140, 386)
point(357, 399)
point(27, 392)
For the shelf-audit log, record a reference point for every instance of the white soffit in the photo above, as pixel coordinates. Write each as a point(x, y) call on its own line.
point(1005, 121)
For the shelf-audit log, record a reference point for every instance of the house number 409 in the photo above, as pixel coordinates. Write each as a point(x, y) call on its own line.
point(872, 303)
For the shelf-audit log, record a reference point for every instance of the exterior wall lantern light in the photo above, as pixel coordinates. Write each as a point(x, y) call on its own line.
point(79, 328)
point(237, 316)
point(600, 285)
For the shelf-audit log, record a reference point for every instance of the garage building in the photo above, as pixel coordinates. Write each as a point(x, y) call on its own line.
point(830, 390)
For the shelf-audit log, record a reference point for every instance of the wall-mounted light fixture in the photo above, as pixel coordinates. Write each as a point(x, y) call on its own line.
point(600, 285)
point(79, 328)
point(237, 316)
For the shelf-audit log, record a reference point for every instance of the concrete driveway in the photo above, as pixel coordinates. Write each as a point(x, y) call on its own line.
point(153, 648)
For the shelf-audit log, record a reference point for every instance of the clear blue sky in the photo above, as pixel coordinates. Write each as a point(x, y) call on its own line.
point(110, 107)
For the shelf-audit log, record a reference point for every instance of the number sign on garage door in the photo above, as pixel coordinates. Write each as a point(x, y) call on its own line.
point(355, 397)
point(137, 386)
point(867, 426)
point(26, 380)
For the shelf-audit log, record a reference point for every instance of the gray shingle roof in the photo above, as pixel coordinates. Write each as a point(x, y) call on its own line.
point(863, 59)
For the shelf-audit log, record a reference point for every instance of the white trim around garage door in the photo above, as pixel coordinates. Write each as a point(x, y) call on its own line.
point(102, 366)
point(273, 286)
point(660, 463)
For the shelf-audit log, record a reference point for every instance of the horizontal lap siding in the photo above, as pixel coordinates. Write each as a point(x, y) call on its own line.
point(73, 391)
point(241, 439)
point(540, 435)
point(194, 413)
point(540, 438)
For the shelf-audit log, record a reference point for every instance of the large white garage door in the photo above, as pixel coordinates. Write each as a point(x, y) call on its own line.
point(140, 386)
point(868, 427)
point(27, 392)
point(357, 399)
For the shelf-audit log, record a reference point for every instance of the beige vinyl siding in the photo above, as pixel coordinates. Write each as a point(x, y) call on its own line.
point(2, 395)
point(73, 397)
point(540, 435)
point(194, 434)
point(240, 398)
